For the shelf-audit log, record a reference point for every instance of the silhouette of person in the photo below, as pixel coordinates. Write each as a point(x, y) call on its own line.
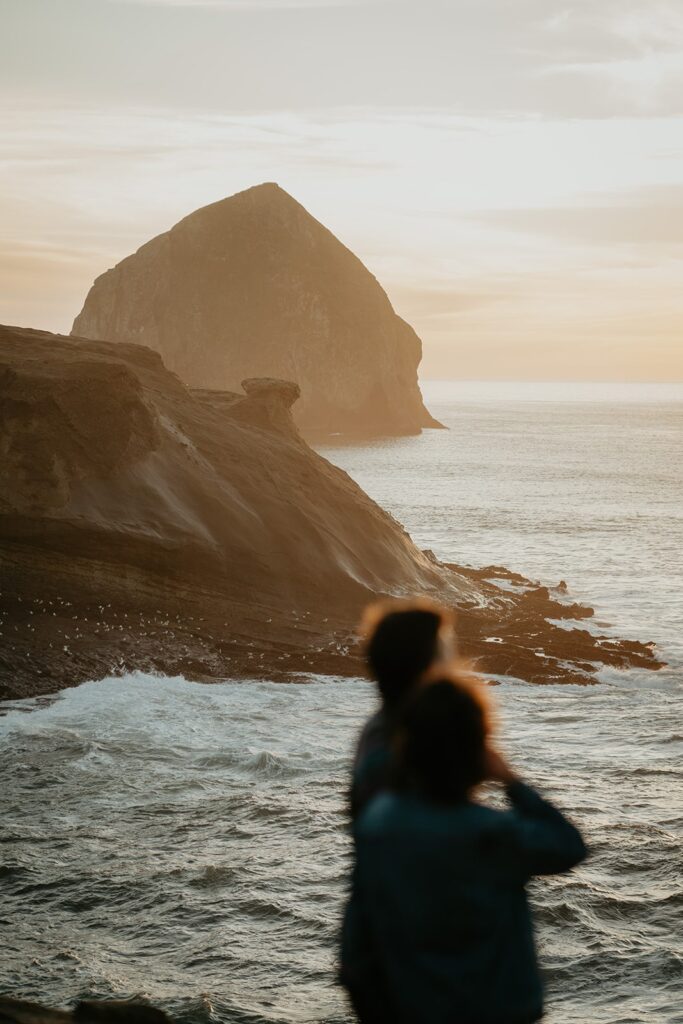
point(442, 932)
point(402, 640)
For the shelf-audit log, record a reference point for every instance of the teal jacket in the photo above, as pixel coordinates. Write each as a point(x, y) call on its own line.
point(438, 929)
point(371, 763)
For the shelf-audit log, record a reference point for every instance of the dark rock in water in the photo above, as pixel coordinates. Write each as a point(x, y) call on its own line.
point(147, 525)
point(18, 1011)
point(254, 286)
point(91, 1011)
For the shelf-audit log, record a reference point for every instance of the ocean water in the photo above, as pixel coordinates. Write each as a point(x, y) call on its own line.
point(187, 843)
point(579, 482)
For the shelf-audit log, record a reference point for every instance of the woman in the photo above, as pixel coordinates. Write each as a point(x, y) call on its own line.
point(444, 929)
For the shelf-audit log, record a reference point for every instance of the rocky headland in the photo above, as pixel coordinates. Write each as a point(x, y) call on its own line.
point(145, 524)
point(254, 286)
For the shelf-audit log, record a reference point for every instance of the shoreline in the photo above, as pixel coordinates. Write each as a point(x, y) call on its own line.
point(195, 532)
point(75, 632)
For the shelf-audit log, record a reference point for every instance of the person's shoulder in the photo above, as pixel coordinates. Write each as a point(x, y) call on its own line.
point(374, 726)
point(384, 812)
point(371, 736)
point(390, 810)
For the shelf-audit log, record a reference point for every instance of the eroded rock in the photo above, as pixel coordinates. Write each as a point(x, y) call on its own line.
point(145, 525)
point(253, 286)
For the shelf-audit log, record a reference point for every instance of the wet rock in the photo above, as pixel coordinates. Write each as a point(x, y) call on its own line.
point(18, 1011)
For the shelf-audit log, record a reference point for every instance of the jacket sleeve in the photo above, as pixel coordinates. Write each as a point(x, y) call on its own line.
point(370, 765)
point(543, 841)
point(359, 965)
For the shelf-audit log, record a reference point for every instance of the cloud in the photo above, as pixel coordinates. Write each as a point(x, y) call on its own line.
point(250, 5)
point(643, 217)
point(467, 222)
point(648, 84)
point(435, 303)
point(568, 58)
point(627, 57)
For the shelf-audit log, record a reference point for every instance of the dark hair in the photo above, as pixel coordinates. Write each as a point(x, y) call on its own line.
point(440, 740)
point(402, 642)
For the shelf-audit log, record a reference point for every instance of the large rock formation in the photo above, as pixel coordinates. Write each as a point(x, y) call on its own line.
point(147, 525)
point(254, 286)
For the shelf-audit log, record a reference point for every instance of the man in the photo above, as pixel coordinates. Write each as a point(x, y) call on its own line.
point(403, 639)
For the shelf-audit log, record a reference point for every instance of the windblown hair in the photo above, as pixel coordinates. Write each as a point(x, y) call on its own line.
point(402, 641)
point(440, 737)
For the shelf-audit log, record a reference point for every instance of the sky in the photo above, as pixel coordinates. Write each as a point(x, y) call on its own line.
point(510, 170)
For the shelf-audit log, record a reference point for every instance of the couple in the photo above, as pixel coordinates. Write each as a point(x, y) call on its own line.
point(437, 929)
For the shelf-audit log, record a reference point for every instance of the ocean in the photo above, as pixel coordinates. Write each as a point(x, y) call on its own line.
point(187, 843)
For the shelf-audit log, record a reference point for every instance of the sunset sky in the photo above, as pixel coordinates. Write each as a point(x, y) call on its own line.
point(510, 170)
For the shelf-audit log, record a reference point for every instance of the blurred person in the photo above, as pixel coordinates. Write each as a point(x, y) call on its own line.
point(442, 932)
point(402, 639)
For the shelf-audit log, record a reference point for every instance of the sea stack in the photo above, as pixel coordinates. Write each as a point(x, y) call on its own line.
point(253, 286)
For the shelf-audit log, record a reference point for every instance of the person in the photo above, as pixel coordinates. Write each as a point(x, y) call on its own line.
point(402, 640)
point(443, 932)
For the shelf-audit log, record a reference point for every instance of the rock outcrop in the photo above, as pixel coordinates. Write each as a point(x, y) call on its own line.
point(254, 286)
point(147, 525)
point(87, 1011)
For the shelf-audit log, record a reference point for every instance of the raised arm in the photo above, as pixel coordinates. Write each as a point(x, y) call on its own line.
point(542, 841)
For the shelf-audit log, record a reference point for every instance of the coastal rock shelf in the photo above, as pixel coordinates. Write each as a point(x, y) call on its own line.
point(144, 524)
point(18, 1011)
point(254, 286)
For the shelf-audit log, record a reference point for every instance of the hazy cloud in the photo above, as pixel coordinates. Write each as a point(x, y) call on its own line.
point(246, 5)
point(627, 56)
point(648, 216)
point(435, 303)
point(571, 58)
point(509, 171)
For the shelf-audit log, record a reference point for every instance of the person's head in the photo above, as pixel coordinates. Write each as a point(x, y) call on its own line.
point(441, 735)
point(402, 640)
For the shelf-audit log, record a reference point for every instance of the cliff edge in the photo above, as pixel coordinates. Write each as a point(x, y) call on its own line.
point(144, 524)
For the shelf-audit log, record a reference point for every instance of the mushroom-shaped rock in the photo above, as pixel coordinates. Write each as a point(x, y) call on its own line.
point(283, 392)
point(267, 404)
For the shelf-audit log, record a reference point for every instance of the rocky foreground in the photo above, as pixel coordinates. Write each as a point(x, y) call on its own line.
point(145, 524)
point(19, 1011)
point(255, 286)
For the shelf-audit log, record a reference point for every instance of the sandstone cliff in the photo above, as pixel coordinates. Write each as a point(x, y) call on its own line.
point(254, 286)
point(147, 525)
